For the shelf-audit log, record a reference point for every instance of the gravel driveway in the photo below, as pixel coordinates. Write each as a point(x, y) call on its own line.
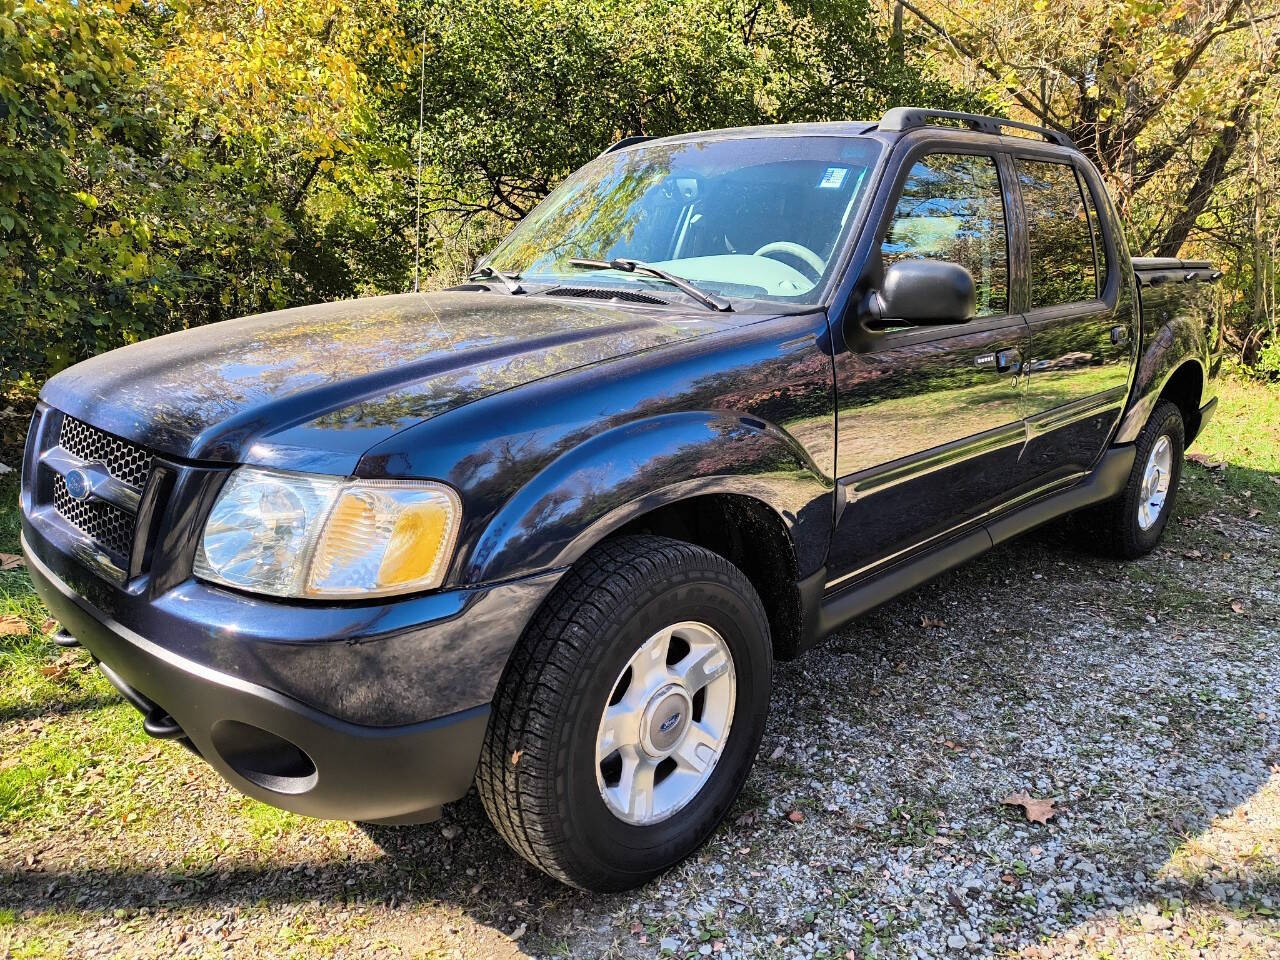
point(1144, 699)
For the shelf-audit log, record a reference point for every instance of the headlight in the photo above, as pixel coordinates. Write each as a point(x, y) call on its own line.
point(292, 535)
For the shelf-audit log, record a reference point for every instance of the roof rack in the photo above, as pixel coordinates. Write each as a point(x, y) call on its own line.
point(909, 118)
point(624, 142)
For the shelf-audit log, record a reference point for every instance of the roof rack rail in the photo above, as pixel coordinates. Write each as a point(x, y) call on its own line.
point(909, 118)
point(624, 142)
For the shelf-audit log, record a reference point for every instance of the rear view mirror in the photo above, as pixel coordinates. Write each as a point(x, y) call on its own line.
point(927, 293)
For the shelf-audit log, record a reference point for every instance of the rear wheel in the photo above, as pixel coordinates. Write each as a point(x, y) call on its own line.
point(1132, 524)
point(630, 713)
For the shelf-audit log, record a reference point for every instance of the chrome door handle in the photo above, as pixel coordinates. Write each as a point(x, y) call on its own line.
point(1008, 361)
point(1002, 361)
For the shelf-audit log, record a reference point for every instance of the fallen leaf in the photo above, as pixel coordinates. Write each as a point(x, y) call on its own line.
point(1193, 554)
point(13, 627)
point(11, 561)
point(951, 745)
point(1254, 512)
point(637, 927)
point(795, 816)
point(778, 751)
point(1209, 464)
point(1037, 810)
point(1237, 606)
point(930, 624)
point(519, 931)
point(515, 757)
point(49, 627)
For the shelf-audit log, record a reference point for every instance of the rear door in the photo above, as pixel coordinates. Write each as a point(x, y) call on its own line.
point(1081, 319)
point(929, 423)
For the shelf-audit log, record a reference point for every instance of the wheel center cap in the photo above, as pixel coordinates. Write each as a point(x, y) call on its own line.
point(665, 720)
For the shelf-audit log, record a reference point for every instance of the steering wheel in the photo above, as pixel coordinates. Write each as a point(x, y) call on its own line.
point(804, 254)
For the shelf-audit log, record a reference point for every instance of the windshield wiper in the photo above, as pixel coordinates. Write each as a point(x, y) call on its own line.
point(709, 300)
point(509, 280)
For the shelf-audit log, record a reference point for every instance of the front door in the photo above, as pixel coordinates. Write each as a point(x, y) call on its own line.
point(929, 423)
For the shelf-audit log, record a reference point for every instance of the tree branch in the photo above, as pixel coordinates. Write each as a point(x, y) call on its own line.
point(1215, 164)
point(1040, 111)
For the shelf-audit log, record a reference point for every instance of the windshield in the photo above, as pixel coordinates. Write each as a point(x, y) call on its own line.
point(759, 217)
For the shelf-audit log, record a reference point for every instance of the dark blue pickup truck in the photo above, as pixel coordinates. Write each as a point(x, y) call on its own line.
point(547, 531)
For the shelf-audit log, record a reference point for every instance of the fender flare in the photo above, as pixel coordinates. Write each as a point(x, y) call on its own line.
point(597, 486)
point(1175, 344)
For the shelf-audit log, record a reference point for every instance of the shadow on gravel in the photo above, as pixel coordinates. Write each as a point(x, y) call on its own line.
point(475, 872)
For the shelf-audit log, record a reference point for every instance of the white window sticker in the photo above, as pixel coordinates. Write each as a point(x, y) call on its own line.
point(833, 179)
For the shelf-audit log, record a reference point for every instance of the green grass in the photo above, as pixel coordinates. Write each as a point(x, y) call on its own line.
point(1245, 435)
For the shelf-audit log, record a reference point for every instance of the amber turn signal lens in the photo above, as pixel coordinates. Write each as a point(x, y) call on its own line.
point(415, 545)
point(385, 537)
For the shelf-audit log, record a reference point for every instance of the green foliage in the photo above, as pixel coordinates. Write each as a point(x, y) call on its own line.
point(160, 169)
point(163, 166)
point(1269, 360)
point(519, 93)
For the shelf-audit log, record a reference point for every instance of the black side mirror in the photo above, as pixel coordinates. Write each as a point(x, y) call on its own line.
point(927, 293)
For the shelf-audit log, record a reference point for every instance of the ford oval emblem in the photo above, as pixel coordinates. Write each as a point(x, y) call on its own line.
point(668, 724)
point(79, 485)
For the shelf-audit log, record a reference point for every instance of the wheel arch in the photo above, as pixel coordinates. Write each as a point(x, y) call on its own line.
point(1185, 388)
point(750, 535)
point(711, 478)
point(1174, 365)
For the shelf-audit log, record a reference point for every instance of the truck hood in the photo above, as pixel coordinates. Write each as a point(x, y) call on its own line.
point(312, 388)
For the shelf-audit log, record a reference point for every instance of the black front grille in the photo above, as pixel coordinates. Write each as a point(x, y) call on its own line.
point(127, 462)
point(109, 526)
point(105, 524)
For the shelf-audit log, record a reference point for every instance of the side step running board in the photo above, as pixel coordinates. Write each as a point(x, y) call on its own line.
point(1106, 481)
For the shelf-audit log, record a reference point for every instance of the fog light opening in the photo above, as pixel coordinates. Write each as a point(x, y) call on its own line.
point(262, 758)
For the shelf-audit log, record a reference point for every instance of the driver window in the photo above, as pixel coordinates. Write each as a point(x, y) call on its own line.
point(951, 208)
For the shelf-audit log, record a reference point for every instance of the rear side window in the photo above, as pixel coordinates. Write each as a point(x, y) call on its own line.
point(1058, 233)
point(951, 209)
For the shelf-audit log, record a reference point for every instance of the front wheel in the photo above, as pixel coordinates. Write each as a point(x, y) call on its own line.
point(1132, 524)
point(630, 713)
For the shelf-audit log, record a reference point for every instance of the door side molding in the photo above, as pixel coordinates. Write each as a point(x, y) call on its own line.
point(1106, 481)
point(884, 476)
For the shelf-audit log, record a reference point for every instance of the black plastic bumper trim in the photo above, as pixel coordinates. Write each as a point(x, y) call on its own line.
point(362, 772)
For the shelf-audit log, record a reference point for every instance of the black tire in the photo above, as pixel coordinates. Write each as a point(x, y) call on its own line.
point(537, 772)
point(1116, 527)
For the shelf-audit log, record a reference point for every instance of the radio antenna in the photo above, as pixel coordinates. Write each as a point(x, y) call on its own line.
point(417, 217)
